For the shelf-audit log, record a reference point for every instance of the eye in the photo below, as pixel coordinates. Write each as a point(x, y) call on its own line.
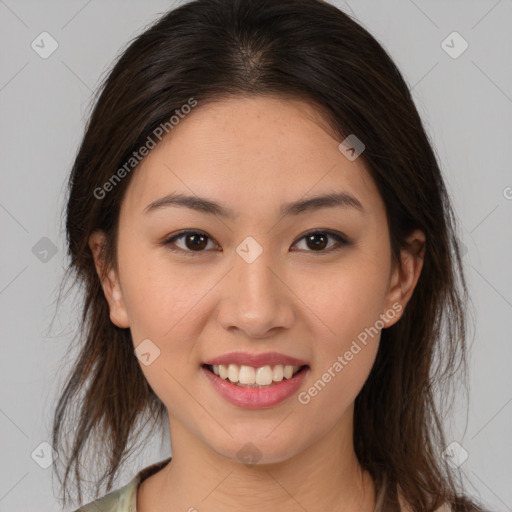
point(318, 239)
point(196, 241)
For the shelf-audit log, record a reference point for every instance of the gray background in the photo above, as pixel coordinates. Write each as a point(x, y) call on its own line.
point(466, 103)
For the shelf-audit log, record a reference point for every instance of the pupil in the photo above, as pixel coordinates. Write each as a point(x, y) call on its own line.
point(196, 241)
point(320, 245)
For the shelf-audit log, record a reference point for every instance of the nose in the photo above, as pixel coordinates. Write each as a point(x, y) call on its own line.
point(256, 300)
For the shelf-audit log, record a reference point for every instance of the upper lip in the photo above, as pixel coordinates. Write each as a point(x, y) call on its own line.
point(256, 360)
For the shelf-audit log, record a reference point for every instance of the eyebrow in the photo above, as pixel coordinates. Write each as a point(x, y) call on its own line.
point(204, 205)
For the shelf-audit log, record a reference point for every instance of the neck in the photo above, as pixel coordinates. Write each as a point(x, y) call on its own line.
point(325, 476)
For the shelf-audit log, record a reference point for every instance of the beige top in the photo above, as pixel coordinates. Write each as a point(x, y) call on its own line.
point(123, 499)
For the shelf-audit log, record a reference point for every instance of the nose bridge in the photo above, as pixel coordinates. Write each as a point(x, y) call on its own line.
point(256, 283)
point(257, 300)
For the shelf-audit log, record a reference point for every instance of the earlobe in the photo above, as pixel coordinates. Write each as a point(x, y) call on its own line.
point(405, 276)
point(109, 281)
point(118, 313)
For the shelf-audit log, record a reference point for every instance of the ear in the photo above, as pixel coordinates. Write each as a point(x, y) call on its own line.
point(109, 281)
point(404, 278)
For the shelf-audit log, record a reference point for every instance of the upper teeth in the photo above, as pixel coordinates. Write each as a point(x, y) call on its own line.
point(248, 375)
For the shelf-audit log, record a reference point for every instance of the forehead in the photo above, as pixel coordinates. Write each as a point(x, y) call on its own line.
point(250, 152)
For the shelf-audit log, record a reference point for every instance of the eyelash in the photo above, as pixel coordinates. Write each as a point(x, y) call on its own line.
point(342, 241)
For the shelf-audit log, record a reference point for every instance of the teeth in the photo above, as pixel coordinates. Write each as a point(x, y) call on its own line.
point(233, 373)
point(249, 376)
point(278, 373)
point(222, 371)
point(264, 376)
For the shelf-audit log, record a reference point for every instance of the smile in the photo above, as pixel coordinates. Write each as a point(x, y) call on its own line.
point(248, 376)
point(252, 395)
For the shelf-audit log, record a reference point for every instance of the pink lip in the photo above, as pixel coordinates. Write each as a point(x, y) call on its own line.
point(256, 360)
point(256, 398)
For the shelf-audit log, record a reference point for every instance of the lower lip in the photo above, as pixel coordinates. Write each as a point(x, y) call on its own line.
point(256, 398)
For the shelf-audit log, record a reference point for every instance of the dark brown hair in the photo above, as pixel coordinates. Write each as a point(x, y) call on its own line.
point(308, 49)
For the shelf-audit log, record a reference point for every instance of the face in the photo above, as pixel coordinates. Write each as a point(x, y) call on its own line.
point(314, 283)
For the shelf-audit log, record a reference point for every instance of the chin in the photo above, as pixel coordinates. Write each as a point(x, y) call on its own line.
point(252, 450)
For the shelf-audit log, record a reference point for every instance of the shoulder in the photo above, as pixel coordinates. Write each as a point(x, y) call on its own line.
point(123, 499)
point(120, 500)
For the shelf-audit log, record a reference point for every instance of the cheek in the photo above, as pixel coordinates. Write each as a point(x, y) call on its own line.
point(159, 295)
point(347, 297)
point(164, 306)
point(349, 309)
point(343, 359)
point(332, 389)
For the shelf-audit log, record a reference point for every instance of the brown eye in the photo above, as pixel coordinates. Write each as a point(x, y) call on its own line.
point(192, 241)
point(317, 241)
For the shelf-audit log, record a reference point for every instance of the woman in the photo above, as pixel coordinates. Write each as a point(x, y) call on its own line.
point(270, 265)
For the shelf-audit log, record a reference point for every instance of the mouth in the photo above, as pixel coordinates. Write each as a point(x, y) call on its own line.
point(255, 377)
point(255, 381)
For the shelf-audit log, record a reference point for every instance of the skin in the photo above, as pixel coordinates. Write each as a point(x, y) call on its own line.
point(252, 155)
